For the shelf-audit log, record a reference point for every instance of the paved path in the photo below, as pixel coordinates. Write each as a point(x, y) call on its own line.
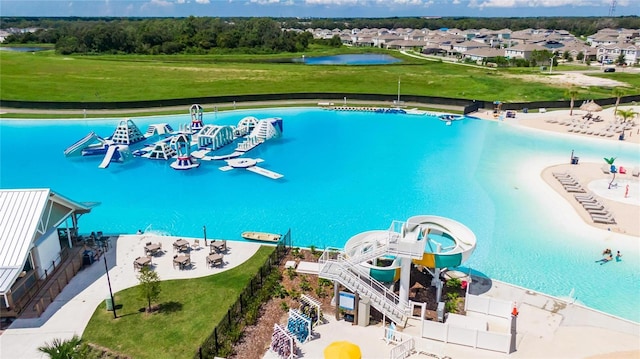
point(72, 309)
point(226, 106)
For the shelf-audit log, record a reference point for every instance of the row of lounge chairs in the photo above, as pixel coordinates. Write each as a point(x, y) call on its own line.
point(598, 212)
point(569, 183)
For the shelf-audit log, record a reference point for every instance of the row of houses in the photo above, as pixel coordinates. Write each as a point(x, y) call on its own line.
point(604, 46)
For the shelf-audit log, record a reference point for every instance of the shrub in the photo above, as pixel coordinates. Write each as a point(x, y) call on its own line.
point(291, 272)
point(305, 285)
point(451, 305)
point(454, 283)
point(284, 306)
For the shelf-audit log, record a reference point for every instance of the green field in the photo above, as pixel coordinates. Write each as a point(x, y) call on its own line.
point(192, 309)
point(45, 76)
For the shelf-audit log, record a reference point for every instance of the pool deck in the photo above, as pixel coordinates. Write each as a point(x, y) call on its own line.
point(547, 327)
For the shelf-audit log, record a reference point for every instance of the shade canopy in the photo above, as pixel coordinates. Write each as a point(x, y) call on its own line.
point(591, 107)
point(342, 350)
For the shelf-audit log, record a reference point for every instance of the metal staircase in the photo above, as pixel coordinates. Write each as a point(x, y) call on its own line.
point(353, 278)
point(335, 265)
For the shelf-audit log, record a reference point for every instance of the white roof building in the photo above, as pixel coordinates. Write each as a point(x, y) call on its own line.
point(29, 240)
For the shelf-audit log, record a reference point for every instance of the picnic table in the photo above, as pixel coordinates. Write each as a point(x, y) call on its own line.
point(218, 246)
point(152, 249)
point(214, 259)
point(181, 245)
point(182, 260)
point(141, 262)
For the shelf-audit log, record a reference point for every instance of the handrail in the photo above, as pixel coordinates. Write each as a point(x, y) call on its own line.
point(356, 273)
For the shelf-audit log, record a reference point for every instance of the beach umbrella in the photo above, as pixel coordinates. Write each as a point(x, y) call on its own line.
point(342, 350)
point(591, 107)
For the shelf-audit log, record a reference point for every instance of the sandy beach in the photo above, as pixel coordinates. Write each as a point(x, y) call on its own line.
point(563, 121)
point(625, 210)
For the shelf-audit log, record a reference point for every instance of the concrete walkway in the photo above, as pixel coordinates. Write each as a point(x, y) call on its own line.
point(72, 309)
point(547, 327)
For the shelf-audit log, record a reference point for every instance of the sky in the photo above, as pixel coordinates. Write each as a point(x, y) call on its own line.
point(317, 8)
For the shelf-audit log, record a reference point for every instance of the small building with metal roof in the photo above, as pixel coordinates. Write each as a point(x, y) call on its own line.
point(34, 227)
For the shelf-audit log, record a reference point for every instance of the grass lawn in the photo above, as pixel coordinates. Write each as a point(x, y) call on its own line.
point(192, 309)
point(45, 76)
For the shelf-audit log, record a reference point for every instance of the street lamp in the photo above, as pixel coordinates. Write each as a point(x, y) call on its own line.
point(204, 229)
point(551, 66)
point(113, 303)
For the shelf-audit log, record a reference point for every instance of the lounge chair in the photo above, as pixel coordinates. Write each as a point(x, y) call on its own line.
point(594, 205)
point(196, 244)
point(603, 220)
point(603, 213)
point(588, 201)
point(606, 169)
point(609, 217)
point(568, 181)
point(635, 172)
point(578, 189)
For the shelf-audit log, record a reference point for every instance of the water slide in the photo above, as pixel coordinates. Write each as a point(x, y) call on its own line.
point(83, 143)
point(444, 243)
point(438, 231)
point(111, 152)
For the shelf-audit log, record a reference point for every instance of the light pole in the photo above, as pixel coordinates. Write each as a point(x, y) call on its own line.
point(551, 65)
point(204, 229)
point(113, 303)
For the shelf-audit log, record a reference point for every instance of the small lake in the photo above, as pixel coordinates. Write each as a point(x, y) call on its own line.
point(354, 59)
point(23, 49)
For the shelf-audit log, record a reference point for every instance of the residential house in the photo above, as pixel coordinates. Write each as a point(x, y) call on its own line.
point(606, 53)
point(523, 51)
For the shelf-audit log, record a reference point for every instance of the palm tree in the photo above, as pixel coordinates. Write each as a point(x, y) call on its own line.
point(617, 93)
point(613, 169)
point(62, 349)
point(571, 93)
point(626, 114)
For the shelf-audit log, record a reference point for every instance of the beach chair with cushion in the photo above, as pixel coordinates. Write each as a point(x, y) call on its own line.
point(606, 169)
point(568, 182)
point(584, 197)
point(575, 189)
point(603, 213)
point(603, 219)
point(635, 172)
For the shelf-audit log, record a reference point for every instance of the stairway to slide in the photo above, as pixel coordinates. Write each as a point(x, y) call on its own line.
point(336, 266)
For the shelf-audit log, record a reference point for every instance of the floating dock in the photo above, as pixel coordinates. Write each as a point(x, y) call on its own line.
point(265, 172)
point(250, 165)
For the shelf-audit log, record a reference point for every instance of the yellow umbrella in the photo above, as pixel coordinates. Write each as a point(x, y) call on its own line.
point(342, 350)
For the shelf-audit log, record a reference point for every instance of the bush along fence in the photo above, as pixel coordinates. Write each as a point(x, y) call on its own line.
point(246, 309)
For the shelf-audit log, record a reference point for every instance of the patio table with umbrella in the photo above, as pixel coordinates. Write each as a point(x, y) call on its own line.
point(342, 350)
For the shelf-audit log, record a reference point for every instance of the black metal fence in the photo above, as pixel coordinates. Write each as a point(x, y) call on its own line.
point(311, 96)
point(246, 308)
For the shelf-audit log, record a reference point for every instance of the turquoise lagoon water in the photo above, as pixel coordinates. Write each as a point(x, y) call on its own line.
point(345, 173)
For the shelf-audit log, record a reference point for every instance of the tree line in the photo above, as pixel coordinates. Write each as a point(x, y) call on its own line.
point(198, 35)
point(192, 35)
